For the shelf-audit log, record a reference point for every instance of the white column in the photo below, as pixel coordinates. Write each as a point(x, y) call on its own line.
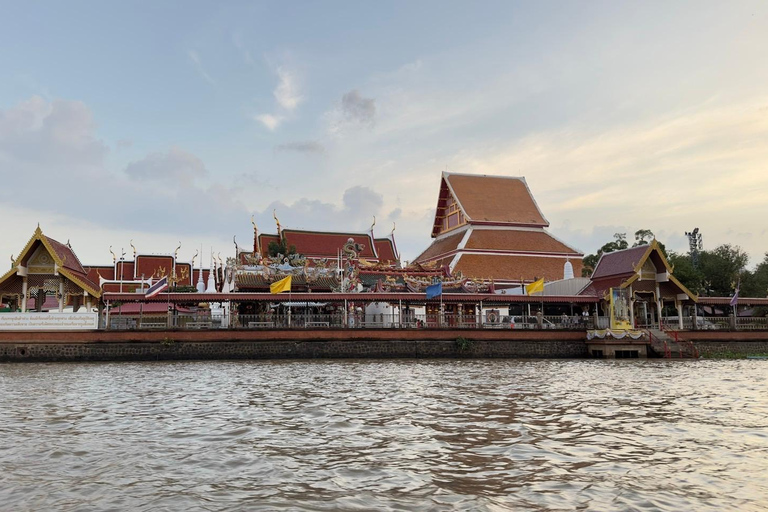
point(679, 314)
point(658, 304)
point(24, 295)
point(631, 307)
point(61, 294)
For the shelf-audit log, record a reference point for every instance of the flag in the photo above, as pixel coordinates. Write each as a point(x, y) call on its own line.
point(735, 298)
point(435, 290)
point(535, 287)
point(157, 288)
point(283, 285)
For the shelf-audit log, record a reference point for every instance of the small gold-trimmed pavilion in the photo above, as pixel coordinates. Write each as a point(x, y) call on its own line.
point(47, 269)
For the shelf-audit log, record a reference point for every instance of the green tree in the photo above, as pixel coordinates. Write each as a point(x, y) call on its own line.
point(283, 248)
point(685, 272)
point(643, 237)
point(721, 269)
point(755, 283)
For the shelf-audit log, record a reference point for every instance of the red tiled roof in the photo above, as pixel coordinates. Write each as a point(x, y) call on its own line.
point(319, 244)
point(513, 268)
point(385, 249)
point(66, 254)
point(496, 199)
point(327, 245)
point(517, 240)
point(600, 287)
point(441, 246)
point(107, 272)
point(619, 262)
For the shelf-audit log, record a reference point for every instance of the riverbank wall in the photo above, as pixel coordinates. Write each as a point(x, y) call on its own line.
point(39, 346)
point(289, 344)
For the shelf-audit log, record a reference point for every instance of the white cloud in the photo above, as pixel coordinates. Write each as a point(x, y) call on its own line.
point(195, 58)
point(288, 97)
point(287, 91)
point(58, 131)
point(270, 121)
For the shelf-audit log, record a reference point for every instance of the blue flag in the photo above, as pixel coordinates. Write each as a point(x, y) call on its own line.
point(435, 290)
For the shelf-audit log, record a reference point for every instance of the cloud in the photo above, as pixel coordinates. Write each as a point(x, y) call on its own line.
point(352, 113)
point(362, 201)
point(288, 98)
point(307, 147)
point(287, 91)
point(357, 109)
point(59, 132)
point(175, 165)
point(195, 58)
point(270, 121)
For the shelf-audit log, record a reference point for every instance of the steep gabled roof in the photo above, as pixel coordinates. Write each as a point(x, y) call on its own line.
point(386, 250)
point(621, 262)
point(67, 262)
point(497, 199)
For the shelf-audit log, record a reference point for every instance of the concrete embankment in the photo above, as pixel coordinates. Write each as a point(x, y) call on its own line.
point(333, 343)
point(717, 344)
point(289, 344)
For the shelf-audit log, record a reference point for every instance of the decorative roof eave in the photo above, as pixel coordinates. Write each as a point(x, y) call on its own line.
point(95, 292)
point(36, 236)
point(672, 278)
point(653, 246)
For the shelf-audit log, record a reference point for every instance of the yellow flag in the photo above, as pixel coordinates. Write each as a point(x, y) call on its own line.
point(535, 287)
point(283, 285)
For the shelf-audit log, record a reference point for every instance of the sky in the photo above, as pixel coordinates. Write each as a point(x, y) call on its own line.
point(167, 123)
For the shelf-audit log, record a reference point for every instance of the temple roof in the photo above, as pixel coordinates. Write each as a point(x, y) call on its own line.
point(441, 246)
point(68, 263)
point(518, 240)
point(512, 268)
point(619, 262)
point(320, 244)
point(386, 250)
point(502, 199)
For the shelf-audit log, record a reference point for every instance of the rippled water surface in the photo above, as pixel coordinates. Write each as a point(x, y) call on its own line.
point(385, 435)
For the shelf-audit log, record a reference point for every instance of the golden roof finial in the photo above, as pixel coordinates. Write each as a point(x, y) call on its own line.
point(194, 258)
point(254, 224)
point(134, 249)
point(114, 256)
point(374, 223)
point(279, 231)
point(176, 252)
point(393, 229)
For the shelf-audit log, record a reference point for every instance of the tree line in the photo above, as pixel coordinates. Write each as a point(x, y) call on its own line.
point(714, 273)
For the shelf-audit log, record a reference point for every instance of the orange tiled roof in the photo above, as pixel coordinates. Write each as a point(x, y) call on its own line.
point(516, 240)
point(512, 268)
point(496, 199)
point(441, 246)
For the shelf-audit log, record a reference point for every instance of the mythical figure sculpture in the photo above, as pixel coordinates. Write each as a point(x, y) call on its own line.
point(351, 249)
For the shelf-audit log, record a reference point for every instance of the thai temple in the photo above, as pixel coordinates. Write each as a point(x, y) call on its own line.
point(490, 227)
point(492, 261)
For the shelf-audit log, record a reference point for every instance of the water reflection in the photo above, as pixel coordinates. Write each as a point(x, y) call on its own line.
point(401, 435)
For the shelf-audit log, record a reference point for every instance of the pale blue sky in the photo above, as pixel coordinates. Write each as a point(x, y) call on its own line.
point(168, 121)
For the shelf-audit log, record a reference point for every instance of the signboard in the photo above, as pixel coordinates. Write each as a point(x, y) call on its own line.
point(48, 321)
point(620, 304)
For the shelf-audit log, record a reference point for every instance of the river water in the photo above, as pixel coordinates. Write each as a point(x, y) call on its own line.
point(385, 435)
